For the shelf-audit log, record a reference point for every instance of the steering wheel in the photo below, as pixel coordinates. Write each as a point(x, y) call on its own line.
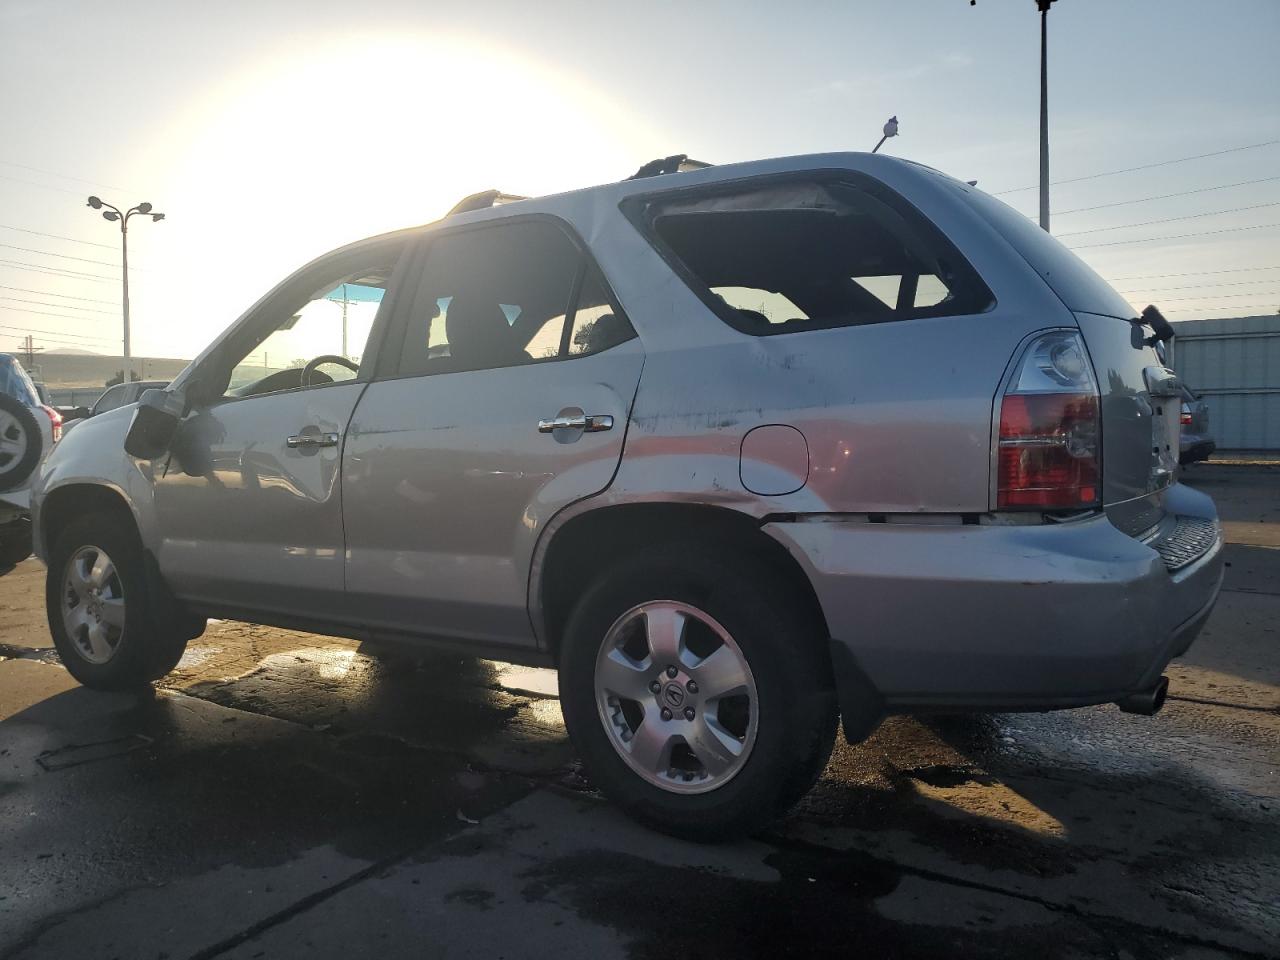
point(310, 368)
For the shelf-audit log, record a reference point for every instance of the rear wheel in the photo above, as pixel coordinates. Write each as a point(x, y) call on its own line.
point(108, 631)
point(693, 684)
point(20, 442)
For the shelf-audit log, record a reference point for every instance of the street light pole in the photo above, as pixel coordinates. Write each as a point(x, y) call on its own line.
point(1043, 7)
point(114, 214)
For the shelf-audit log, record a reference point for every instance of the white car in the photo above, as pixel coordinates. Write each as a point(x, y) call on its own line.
point(28, 430)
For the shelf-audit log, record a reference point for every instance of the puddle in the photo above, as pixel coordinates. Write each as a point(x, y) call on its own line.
point(537, 681)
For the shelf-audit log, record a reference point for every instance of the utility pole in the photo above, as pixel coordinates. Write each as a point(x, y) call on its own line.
point(1043, 7)
point(114, 214)
point(29, 350)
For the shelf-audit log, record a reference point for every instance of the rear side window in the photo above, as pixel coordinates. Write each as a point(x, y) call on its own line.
point(792, 256)
point(507, 294)
point(15, 383)
point(111, 399)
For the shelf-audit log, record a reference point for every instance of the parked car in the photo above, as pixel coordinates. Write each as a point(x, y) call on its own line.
point(28, 430)
point(742, 451)
point(119, 395)
point(1195, 441)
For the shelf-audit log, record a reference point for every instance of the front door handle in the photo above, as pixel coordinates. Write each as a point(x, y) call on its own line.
point(591, 424)
point(309, 441)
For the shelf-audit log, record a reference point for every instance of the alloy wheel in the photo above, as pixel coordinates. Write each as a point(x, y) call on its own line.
point(13, 439)
point(676, 696)
point(93, 604)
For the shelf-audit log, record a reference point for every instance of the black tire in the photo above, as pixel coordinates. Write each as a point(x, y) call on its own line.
point(151, 642)
point(15, 542)
point(784, 648)
point(20, 425)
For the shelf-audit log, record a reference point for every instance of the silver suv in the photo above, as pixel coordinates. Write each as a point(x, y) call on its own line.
point(743, 451)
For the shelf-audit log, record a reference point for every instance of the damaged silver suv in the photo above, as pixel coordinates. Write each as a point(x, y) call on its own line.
point(743, 451)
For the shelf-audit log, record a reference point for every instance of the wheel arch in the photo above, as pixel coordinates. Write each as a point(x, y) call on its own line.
point(63, 504)
point(576, 550)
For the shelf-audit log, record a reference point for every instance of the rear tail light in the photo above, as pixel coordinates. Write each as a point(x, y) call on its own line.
point(1185, 418)
point(55, 418)
point(1048, 453)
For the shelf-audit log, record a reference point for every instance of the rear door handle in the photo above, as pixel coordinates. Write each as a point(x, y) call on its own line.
point(312, 440)
point(591, 424)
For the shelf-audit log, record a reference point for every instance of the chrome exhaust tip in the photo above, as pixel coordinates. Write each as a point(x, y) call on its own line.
point(1146, 702)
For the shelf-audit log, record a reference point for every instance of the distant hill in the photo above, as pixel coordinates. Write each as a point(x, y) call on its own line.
point(85, 369)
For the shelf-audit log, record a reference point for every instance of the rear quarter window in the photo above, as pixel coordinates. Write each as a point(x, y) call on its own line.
point(784, 257)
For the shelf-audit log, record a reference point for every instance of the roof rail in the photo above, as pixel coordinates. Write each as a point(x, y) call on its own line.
point(483, 201)
point(678, 163)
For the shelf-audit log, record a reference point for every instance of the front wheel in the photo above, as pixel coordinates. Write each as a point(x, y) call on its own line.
point(109, 632)
point(693, 684)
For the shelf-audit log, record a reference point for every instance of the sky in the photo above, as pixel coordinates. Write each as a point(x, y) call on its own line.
point(271, 132)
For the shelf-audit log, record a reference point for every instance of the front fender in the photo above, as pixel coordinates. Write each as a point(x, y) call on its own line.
point(93, 455)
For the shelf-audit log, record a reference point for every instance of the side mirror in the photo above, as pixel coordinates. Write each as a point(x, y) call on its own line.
point(155, 421)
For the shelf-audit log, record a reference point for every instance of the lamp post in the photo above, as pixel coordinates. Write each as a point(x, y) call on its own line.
point(115, 215)
point(890, 130)
point(1043, 6)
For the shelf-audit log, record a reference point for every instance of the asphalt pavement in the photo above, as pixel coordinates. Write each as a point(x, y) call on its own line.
point(287, 795)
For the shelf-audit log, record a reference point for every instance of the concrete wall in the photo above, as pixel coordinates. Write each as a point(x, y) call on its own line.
point(1235, 364)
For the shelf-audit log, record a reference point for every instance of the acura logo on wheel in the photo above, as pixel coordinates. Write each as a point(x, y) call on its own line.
point(673, 694)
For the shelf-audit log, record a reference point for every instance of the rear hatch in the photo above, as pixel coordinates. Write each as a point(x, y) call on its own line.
point(1141, 398)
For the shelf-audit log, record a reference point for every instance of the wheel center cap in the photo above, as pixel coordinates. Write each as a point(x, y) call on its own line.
point(672, 696)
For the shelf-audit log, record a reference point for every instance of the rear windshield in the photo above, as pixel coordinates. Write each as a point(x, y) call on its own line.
point(15, 383)
point(1071, 278)
point(798, 255)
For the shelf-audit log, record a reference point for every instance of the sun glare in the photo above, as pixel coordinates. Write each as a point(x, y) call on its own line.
point(353, 137)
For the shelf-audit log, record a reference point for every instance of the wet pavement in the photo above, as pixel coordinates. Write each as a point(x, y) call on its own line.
point(287, 795)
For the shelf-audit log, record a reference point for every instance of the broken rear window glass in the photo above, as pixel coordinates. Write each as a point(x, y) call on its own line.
point(797, 256)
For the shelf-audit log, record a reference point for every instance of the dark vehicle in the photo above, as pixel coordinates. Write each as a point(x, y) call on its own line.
point(1195, 442)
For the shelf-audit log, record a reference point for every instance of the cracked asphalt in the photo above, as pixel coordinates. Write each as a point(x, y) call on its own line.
point(288, 795)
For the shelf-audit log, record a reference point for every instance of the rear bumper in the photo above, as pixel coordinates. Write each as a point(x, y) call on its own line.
point(1040, 617)
point(1196, 450)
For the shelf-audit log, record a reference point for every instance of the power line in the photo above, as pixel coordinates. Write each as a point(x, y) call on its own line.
point(43, 186)
point(55, 236)
point(1145, 166)
point(1274, 306)
point(1192, 273)
point(63, 256)
point(1221, 296)
point(60, 306)
point(1193, 286)
point(1165, 196)
point(59, 271)
point(67, 296)
point(44, 313)
point(1180, 236)
point(1152, 223)
point(63, 176)
point(56, 333)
